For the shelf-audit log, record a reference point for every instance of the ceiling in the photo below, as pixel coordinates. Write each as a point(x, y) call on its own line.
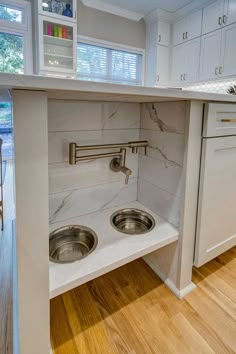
point(146, 6)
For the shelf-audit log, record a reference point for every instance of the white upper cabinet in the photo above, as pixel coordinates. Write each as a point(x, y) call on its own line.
point(228, 51)
point(214, 16)
point(185, 62)
point(193, 60)
point(162, 70)
point(210, 55)
point(163, 33)
point(188, 28)
point(179, 31)
point(230, 16)
point(157, 54)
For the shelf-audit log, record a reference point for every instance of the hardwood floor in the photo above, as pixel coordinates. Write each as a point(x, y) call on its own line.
point(131, 311)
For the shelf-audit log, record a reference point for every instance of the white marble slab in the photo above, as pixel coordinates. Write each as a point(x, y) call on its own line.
point(98, 91)
point(164, 146)
point(164, 116)
point(75, 115)
point(114, 249)
point(67, 205)
point(165, 204)
point(65, 177)
point(167, 176)
point(58, 142)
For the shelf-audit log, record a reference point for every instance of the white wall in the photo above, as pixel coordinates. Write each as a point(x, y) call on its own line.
point(101, 25)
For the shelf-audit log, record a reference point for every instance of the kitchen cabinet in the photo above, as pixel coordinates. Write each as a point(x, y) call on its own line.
point(157, 66)
point(216, 222)
point(231, 12)
point(163, 33)
point(188, 28)
point(44, 9)
point(157, 55)
point(56, 55)
point(218, 50)
point(213, 16)
point(210, 55)
point(228, 51)
point(185, 62)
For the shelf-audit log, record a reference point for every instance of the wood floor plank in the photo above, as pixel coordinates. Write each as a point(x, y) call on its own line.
point(131, 311)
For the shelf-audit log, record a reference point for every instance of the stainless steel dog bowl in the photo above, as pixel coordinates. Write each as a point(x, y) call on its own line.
point(132, 221)
point(71, 243)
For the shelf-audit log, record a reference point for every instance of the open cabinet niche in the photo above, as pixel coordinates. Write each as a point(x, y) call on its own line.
point(80, 192)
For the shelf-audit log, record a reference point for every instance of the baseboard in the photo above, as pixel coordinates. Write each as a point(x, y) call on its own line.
point(179, 293)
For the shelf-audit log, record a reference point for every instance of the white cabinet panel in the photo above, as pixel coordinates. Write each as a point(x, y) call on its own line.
point(216, 224)
point(210, 55)
point(231, 12)
point(192, 60)
point(213, 16)
point(163, 33)
point(179, 31)
point(194, 25)
point(188, 28)
point(178, 64)
point(162, 78)
point(228, 50)
point(185, 64)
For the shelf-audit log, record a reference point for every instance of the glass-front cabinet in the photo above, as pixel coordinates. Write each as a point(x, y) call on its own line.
point(60, 9)
point(57, 47)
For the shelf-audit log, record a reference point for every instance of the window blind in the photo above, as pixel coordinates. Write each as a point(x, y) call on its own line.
point(97, 63)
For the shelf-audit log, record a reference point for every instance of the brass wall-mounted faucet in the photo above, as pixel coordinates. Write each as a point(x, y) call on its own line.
point(117, 164)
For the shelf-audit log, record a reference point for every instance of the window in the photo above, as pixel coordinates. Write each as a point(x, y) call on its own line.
point(15, 37)
point(100, 63)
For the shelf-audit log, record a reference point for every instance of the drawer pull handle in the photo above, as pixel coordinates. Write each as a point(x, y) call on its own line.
point(225, 120)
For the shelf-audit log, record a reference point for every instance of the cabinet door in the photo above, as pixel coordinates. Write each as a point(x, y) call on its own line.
point(178, 64)
point(228, 51)
point(216, 223)
point(192, 60)
point(162, 66)
point(179, 31)
point(213, 16)
point(194, 25)
point(230, 16)
point(163, 34)
point(210, 55)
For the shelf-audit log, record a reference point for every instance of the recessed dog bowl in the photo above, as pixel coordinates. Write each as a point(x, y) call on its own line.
point(132, 221)
point(71, 243)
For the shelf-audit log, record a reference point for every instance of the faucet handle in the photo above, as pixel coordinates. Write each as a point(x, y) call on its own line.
point(127, 173)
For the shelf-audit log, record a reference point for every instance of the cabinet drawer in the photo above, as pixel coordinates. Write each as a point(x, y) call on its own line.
point(219, 120)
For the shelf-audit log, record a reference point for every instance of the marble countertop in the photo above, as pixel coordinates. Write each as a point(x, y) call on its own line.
point(114, 249)
point(84, 90)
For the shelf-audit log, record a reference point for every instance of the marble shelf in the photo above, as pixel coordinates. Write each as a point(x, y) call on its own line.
point(114, 249)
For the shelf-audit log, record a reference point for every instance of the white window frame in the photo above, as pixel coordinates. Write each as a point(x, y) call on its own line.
point(115, 46)
point(23, 29)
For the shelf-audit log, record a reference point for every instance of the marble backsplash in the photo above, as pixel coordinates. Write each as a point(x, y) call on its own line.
point(160, 183)
point(89, 186)
point(156, 180)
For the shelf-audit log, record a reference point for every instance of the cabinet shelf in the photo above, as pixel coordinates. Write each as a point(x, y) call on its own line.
point(59, 56)
point(58, 41)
